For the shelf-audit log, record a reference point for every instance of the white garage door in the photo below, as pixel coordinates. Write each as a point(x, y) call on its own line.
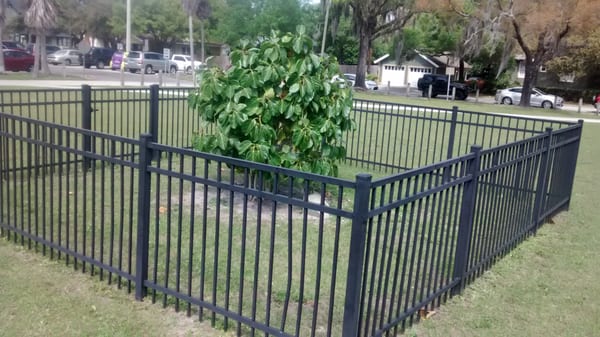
point(415, 73)
point(394, 74)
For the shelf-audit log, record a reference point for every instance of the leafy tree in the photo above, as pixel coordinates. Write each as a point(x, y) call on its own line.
point(81, 17)
point(235, 20)
point(374, 19)
point(162, 21)
point(278, 104)
point(539, 28)
point(345, 47)
point(582, 57)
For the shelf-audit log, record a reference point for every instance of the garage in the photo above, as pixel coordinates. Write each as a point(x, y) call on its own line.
point(394, 74)
point(398, 75)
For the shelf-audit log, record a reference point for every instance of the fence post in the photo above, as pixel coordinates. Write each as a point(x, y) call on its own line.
point(451, 137)
point(143, 225)
point(3, 153)
point(540, 193)
point(465, 225)
point(452, 134)
point(86, 122)
point(153, 118)
point(357, 255)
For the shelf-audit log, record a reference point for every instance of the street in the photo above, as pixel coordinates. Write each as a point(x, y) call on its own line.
point(75, 76)
point(106, 77)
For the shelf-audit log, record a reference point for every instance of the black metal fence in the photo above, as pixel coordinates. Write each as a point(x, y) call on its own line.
point(265, 249)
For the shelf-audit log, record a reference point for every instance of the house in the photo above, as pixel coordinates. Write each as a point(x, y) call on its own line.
point(548, 79)
point(409, 72)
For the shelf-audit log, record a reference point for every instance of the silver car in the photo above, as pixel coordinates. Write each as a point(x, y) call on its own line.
point(538, 98)
point(148, 62)
point(351, 78)
point(65, 56)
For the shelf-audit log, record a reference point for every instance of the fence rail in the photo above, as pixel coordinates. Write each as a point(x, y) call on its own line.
point(265, 249)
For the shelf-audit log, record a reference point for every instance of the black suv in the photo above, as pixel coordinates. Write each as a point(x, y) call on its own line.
point(98, 57)
point(439, 86)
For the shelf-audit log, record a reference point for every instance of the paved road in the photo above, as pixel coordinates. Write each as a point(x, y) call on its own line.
point(78, 75)
point(106, 78)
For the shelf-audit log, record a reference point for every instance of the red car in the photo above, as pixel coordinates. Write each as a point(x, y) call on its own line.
point(16, 60)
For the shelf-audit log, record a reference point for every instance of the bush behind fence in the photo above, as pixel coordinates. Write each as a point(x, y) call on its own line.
point(260, 248)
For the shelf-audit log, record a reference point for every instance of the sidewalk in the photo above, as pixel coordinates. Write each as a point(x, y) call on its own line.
point(66, 84)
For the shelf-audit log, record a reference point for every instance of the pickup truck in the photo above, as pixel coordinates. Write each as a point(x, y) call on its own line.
point(440, 86)
point(180, 62)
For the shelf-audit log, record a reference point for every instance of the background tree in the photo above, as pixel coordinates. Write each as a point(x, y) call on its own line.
point(161, 21)
point(235, 20)
point(376, 18)
point(41, 17)
point(539, 28)
point(582, 56)
point(81, 17)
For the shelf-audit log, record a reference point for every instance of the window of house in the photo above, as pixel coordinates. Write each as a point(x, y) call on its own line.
point(521, 71)
point(569, 78)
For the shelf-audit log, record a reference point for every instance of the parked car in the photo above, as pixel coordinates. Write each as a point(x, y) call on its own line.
point(148, 62)
point(65, 56)
point(180, 62)
point(439, 86)
point(98, 57)
point(538, 98)
point(474, 83)
point(351, 78)
point(17, 60)
point(49, 48)
point(12, 45)
point(116, 60)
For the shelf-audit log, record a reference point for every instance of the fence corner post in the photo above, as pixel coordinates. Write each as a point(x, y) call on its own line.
point(465, 225)
point(153, 118)
point(86, 122)
point(143, 225)
point(356, 256)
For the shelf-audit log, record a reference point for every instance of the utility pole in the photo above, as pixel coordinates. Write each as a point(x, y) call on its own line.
point(128, 28)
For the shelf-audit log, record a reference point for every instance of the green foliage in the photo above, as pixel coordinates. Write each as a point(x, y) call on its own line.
point(278, 104)
point(163, 20)
point(235, 20)
point(345, 49)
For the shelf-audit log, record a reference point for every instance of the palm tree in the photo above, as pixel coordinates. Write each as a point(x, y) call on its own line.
point(40, 17)
point(2, 23)
point(202, 10)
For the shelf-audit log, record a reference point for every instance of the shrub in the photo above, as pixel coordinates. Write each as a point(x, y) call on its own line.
point(279, 103)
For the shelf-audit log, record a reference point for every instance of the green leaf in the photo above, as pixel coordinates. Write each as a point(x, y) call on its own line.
point(294, 88)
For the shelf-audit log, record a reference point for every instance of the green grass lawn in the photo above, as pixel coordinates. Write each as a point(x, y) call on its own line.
point(572, 230)
point(547, 286)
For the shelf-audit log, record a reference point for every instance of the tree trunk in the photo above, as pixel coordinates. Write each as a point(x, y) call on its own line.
point(363, 55)
point(43, 55)
point(531, 72)
point(36, 55)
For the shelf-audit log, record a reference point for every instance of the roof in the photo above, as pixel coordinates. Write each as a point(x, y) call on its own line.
point(450, 61)
point(422, 56)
